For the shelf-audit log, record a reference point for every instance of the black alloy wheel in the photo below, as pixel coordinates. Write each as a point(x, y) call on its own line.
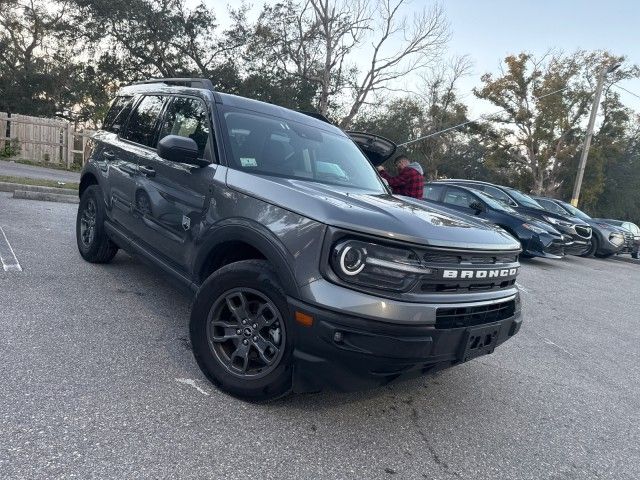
point(88, 223)
point(244, 330)
point(93, 243)
point(241, 331)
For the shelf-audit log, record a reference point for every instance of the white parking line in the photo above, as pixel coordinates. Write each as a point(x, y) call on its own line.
point(7, 255)
point(192, 383)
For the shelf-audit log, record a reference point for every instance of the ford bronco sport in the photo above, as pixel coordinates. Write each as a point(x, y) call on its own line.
point(306, 271)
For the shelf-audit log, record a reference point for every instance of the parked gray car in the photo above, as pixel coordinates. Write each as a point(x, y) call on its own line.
point(607, 239)
point(631, 235)
point(306, 271)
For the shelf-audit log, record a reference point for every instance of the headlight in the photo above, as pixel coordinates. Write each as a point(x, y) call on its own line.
point(616, 239)
point(604, 225)
point(533, 228)
point(376, 266)
point(555, 221)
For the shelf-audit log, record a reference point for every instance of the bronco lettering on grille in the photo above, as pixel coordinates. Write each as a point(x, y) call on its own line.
point(469, 274)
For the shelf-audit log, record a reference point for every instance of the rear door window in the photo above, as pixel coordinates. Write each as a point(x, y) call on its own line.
point(141, 127)
point(187, 117)
point(118, 113)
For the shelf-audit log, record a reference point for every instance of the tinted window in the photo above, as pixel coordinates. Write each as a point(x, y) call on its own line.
point(455, 196)
point(117, 114)
point(285, 148)
point(574, 211)
point(497, 193)
point(142, 123)
point(432, 192)
point(187, 117)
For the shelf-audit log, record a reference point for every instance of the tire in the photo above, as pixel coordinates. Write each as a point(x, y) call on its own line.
point(93, 244)
point(593, 249)
point(243, 353)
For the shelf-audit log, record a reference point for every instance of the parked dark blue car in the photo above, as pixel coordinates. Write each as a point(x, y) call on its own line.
point(578, 230)
point(538, 239)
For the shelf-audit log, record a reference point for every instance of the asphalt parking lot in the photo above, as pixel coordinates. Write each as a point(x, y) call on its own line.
point(98, 381)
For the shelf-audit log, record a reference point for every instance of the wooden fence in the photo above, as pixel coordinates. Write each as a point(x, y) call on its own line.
point(43, 140)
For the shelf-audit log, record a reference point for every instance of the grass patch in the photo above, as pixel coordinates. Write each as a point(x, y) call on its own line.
point(38, 181)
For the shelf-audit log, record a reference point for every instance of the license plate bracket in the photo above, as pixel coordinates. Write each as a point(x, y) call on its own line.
point(478, 341)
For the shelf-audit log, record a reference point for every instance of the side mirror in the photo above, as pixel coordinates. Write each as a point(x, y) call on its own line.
point(179, 149)
point(477, 206)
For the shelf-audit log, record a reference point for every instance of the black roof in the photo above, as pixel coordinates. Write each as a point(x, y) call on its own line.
point(203, 87)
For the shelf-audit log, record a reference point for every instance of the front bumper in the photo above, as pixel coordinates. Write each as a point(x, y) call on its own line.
point(347, 352)
point(578, 246)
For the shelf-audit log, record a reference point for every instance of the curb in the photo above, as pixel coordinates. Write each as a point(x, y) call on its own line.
point(45, 196)
point(12, 187)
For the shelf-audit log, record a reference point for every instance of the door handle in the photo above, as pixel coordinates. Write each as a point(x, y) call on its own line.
point(109, 155)
point(147, 171)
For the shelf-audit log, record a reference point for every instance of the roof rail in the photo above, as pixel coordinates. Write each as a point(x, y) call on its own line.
point(182, 82)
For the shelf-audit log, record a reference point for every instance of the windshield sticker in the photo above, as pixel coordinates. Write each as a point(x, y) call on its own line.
point(248, 162)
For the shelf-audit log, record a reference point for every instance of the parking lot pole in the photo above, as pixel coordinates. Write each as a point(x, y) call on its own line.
point(587, 140)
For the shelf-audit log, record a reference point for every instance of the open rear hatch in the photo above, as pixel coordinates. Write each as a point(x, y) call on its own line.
point(376, 148)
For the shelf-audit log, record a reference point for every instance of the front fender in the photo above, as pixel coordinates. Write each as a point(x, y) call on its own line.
point(257, 236)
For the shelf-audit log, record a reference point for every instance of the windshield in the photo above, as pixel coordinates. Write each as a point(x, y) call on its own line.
point(524, 199)
point(494, 203)
point(284, 148)
point(552, 206)
point(575, 212)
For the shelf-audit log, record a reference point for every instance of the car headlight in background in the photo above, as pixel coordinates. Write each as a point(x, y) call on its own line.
point(533, 228)
point(376, 266)
point(617, 239)
point(555, 221)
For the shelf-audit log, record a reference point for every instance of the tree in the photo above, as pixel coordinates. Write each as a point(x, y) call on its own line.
point(40, 73)
point(317, 40)
point(544, 102)
point(423, 120)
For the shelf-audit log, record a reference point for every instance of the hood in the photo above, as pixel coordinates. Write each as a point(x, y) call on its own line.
point(535, 221)
point(378, 214)
point(536, 212)
point(599, 222)
point(377, 149)
point(417, 167)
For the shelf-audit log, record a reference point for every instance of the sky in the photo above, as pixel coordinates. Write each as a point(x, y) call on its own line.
point(489, 30)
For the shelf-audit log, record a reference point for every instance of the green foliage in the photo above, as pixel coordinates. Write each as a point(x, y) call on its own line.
point(11, 148)
point(67, 59)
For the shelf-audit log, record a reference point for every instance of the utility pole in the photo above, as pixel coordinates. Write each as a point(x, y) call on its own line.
point(587, 141)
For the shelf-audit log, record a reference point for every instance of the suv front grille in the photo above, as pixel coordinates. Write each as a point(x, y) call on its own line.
point(628, 241)
point(583, 231)
point(469, 259)
point(459, 261)
point(472, 316)
point(427, 287)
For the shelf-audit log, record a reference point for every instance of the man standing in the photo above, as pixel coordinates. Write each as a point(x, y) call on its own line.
point(409, 181)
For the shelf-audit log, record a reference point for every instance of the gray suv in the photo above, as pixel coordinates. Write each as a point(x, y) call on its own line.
point(306, 271)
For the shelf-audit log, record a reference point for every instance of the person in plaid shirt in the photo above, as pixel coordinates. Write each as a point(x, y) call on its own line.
point(409, 181)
